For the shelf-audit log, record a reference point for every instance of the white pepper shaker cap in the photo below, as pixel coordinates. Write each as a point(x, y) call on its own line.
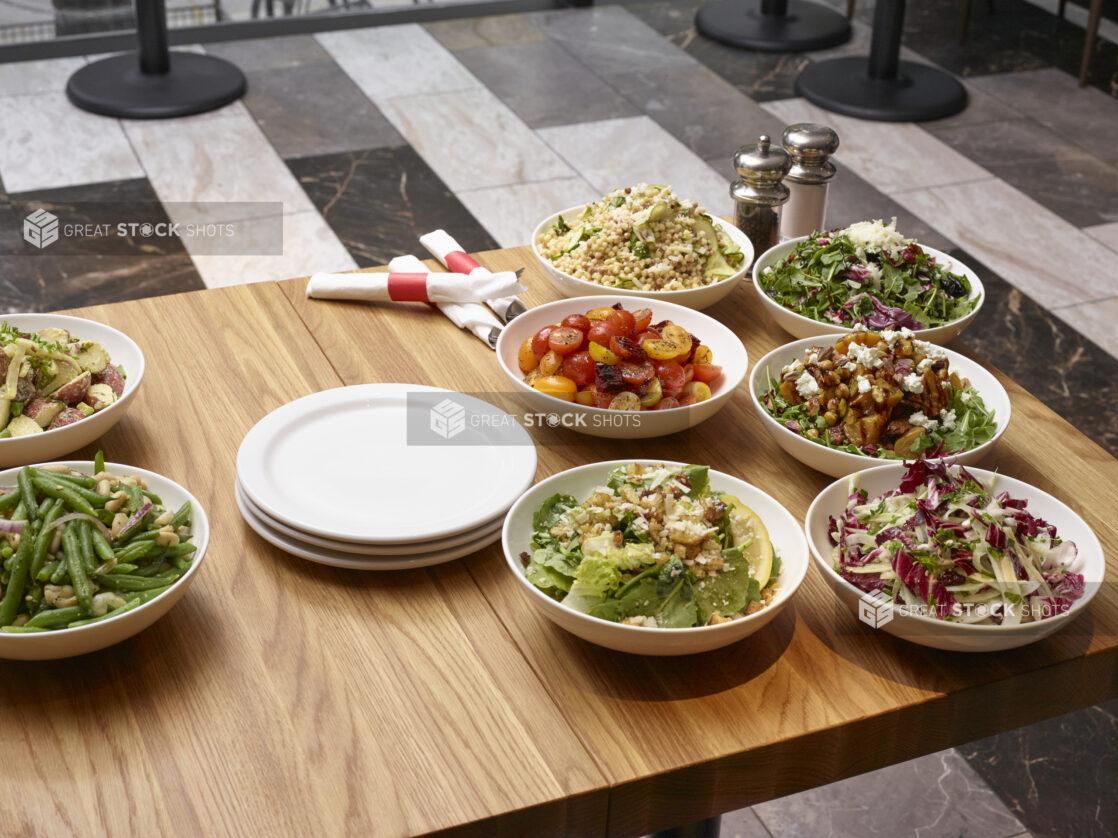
point(810, 146)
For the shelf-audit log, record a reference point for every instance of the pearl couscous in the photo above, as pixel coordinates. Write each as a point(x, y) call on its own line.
point(645, 238)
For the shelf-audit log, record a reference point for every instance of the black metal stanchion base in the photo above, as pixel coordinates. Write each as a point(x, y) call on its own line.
point(806, 26)
point(116, 87)
point(918, 92)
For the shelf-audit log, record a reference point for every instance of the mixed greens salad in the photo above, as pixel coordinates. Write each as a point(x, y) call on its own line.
point(883, 395)
point(948, 547)
point(655, 546)
point(868, 274)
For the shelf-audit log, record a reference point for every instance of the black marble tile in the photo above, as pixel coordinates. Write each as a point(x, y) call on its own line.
point(1057, 777)
point(763, 76)
point(93, 270)
point(379, 201)
point(1058, 365)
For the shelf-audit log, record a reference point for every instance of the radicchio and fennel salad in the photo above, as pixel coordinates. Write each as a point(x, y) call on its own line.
point(868, 274)
point(948, 547)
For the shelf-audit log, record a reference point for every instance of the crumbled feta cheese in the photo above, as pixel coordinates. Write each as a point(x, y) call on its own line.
point(863, 384)
point(947, 419)
point(921, 421)
point(807, 386)
point(929, 349)
point(793, 370)
point(923, 365)
point(889, 336)
point(876, 236)
point(867, 356)
point(813, 358)
point(964, 396)
point(913, 383)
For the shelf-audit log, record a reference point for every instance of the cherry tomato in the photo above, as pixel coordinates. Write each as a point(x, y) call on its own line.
point(672, 377)
point(625, 401)
point(602, 398)
point(527, 359)
point(550, 363)
point(697, 390)
point(600, 313)
point(585, 396)
point(667, 403)
point(652, 394)
point(647, 334)
point(603, 355)
point(688, 371)
point(687, 401)
point(579, 368)
point(564, 340)
point(577, 321)
point(539, 342)
point(623, 320)
point(601, 331)
point(702, 355)
point(641, 318)
point(638, 375)
point(707, 372)
point(626, 348)
point(558, 386)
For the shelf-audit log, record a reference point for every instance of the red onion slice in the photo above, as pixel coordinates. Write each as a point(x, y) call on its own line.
point(135, 519)
point(73, 516)
point(11, 526)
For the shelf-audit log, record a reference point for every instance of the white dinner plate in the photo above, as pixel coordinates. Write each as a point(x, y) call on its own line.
point(386, 463)
point(336, 558)
point(405, 549)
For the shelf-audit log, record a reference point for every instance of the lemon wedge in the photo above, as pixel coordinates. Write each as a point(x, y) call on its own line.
point(747, 529)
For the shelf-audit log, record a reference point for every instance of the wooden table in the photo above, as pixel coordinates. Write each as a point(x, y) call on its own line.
point(281, 697)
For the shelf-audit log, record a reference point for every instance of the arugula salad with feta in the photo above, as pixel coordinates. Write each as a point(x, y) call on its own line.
point(868, 274)
point(656, 547)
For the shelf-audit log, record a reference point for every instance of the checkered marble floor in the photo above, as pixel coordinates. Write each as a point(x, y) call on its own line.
point(363, 139)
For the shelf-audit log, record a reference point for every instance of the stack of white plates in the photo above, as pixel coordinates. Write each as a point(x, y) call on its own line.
point(383, 476)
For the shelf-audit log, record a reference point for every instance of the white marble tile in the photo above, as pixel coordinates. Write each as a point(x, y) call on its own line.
point(45, 142)
point(891, 156)
point(472, 140)
point(1096, 320)
point(220, 158)
point(391, 61)
point(49, 75)
point(1105, 233)
point(622, 152)
point(1046, 257)
point(309, 245)
point(511, 213)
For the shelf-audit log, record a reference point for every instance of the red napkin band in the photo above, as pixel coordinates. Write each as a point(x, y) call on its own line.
point(459, 262)
point(405, 287)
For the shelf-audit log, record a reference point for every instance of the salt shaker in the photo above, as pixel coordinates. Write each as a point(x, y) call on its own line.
point(759, 194)
point(810, 146)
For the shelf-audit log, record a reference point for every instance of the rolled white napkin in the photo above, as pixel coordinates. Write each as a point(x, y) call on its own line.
point(472, 317)
point(413, 286)
point(452, 255)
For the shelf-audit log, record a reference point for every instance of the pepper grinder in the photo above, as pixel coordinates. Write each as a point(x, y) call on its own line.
point(759, 194)
point(810, 146)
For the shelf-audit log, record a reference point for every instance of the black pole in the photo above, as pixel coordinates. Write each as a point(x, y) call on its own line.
point(774, 8)
point(773, 25)
point(885, 48)
point(151, 26)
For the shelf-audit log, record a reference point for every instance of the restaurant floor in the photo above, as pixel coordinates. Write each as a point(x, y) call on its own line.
point(483, 126)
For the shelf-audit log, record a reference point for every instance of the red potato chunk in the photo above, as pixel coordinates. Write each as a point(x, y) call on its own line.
point(43, 411)
point(111, 375)
point(74, 391)
point(67, 417)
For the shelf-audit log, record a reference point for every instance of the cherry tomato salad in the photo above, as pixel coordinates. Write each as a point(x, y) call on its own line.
point(613, 358)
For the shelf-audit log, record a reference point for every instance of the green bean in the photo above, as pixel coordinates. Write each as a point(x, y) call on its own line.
point(64, 493)
point(9, 562)
point(135, 582)
point(45, 537)
point(21, 512)
point(6, 433)
point(91, 496)
point(149, 594)
point(22, 629)
point(135, 498)
point(99, 462)
point(181, 516)
point(56, 616)
point(83, 590)
point(85, 544)
point(184, 548)
point(47, 570)
point(134, 551)
point(61, 574)
point(8, 500)
point(75, 479)
point(124, 567)
point(149, 569)
point(17, 580)
point(27, 491)
point(6, 551)
point(44, 506)
point(101, 545)
point(128, 606)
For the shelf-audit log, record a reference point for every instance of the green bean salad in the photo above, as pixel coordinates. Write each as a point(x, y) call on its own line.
point(79, 548)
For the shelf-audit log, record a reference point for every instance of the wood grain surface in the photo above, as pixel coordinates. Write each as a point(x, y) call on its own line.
point(815, 696)
point(280, 697)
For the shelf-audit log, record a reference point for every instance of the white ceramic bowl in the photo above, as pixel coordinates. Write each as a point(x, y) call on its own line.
point(65, 643)
point(837, 463)
point(785, 532)
point(51, 444)
point(938, 634)
point(804, 327)
point(697, 298)
point(728, 351)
